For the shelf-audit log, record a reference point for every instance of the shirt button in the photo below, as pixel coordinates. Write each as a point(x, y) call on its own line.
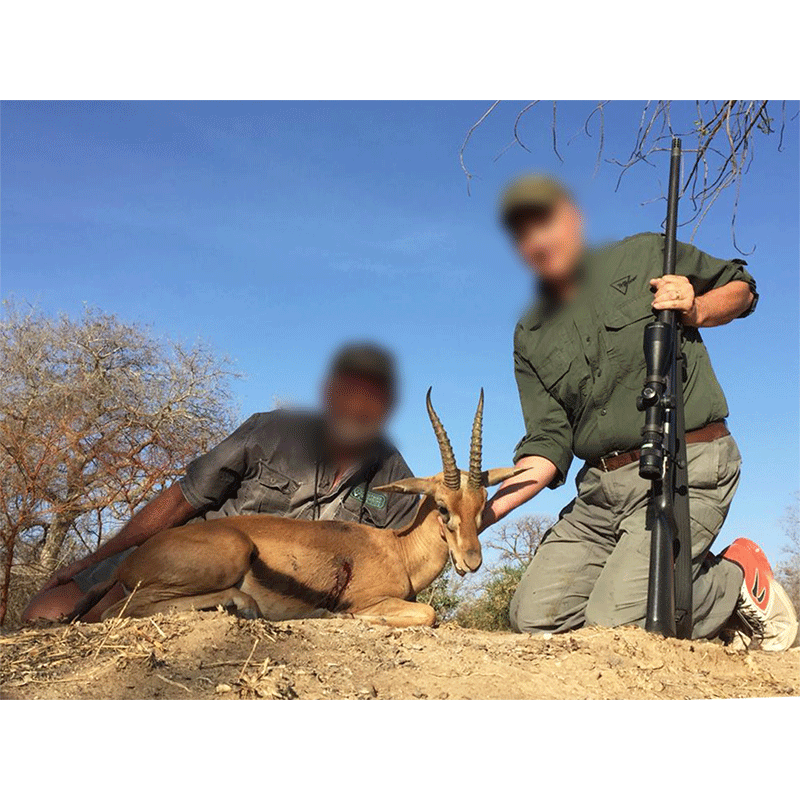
point(603, 412)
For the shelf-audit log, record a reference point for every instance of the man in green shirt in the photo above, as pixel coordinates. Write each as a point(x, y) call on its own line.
point(579, 365)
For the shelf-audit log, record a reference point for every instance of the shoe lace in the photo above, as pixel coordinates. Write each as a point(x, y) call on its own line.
point(752, 620)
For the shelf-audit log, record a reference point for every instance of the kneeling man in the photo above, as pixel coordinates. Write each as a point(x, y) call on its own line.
point(287, 463)
point(580, 366)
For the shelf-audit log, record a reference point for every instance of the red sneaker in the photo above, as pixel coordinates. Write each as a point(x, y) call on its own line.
point(763, 604)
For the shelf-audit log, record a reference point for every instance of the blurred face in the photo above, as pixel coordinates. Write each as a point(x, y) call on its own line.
point(356, 410)
point(550, 241)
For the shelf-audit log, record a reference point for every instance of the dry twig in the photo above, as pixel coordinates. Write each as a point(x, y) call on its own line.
point(720, 142)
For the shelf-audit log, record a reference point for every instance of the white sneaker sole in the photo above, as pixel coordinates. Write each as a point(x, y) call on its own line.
point(782, 623)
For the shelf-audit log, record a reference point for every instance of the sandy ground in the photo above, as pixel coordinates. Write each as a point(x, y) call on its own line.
point(213, 655)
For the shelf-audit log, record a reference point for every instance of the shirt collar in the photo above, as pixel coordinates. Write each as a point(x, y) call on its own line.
point(545, 303)
point(369, 461)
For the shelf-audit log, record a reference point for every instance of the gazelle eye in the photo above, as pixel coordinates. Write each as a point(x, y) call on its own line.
point(444, 513)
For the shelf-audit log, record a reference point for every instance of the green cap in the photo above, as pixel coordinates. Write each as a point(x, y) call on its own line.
point(531, 192)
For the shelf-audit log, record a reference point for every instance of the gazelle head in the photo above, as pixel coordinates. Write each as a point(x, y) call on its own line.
point(459, 496)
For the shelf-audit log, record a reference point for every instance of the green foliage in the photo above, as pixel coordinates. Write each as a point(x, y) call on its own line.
point(488, 609)
point(444, 594)
point(482, 602)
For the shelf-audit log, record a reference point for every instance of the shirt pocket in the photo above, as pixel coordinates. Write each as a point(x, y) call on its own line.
point(552, 366)
point(271, 492)
point(347, 513)
point(560, 372)
point(624, 328)
point(352, 510)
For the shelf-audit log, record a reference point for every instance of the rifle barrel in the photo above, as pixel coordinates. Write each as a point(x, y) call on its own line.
point(670, 256)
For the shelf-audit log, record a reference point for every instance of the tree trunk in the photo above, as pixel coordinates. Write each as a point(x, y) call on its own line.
point(50, 555)
point(6, 585)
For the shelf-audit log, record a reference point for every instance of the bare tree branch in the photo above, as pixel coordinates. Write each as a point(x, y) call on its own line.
point(721, 140)
point(475, 126)
point(95, 416)
point(555, 132)
point(516, 140)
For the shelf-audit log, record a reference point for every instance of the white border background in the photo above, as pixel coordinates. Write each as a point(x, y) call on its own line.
point(410, 50)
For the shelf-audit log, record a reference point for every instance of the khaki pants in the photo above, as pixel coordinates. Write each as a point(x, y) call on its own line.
point(592, 566)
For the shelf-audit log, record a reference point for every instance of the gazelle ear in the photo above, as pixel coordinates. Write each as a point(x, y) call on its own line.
point(491, 477)
point(409, 486)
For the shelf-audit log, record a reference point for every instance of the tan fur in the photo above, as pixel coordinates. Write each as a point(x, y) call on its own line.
point(288, 569)
point(292, 569)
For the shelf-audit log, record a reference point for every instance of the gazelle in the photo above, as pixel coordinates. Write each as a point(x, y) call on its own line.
point(291, 569)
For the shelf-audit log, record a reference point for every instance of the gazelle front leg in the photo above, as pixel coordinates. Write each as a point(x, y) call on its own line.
point(142, 606)
point(397, 613)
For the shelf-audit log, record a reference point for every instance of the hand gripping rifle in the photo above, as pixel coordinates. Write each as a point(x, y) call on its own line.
point(663, 452)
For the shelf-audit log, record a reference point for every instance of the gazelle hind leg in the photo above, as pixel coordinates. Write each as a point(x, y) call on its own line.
point(144, 606)
point(397, 613)
point(278, 607)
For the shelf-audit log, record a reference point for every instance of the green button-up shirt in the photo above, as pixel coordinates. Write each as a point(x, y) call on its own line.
point(580, 366)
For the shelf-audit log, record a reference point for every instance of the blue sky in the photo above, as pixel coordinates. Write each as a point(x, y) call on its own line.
point(276, 230)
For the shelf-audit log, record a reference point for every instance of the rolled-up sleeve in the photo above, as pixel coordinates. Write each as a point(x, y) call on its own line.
point(706, 272)
point(547, 430)
point(215, 476)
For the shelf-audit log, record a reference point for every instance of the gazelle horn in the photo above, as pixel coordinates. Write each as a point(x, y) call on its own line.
point(475, 447)
point(452, 476)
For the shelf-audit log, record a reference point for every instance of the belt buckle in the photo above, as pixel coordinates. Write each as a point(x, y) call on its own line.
point(608, 455)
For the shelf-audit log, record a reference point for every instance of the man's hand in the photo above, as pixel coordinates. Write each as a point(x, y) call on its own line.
point(511, 494)
point(167, 510)
point(66, 574)
point(677, 293)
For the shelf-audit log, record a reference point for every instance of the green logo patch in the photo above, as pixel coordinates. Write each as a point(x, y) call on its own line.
point(374, 499)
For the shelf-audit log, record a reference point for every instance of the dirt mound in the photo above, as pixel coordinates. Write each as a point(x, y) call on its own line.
point(214, 655)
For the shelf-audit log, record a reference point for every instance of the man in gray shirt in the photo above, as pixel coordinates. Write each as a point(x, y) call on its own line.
point(305, 465)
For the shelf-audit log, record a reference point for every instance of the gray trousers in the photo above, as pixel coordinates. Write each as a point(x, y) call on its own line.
point(99, 573)
point(592, 566)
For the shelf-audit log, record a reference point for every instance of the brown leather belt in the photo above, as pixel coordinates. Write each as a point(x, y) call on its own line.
point(709, 433)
